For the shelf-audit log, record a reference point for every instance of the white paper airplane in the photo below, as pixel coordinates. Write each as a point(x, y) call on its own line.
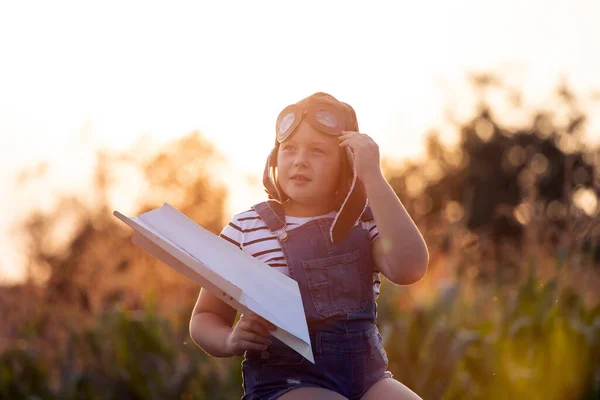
point(237, 278)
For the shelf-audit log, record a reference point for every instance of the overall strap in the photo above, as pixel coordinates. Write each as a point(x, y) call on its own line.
point(271, 212)
point(367, 215)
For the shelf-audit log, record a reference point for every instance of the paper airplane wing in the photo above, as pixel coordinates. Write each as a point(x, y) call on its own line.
point(235, 277)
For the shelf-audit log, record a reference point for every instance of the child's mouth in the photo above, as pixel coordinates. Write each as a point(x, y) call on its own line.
point(299, 178)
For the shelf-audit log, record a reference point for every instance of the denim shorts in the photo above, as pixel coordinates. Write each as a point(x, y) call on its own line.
point(348, 364)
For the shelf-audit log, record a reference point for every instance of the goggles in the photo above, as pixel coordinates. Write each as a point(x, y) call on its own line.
point(322, 115)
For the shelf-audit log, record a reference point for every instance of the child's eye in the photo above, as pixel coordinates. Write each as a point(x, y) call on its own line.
point(318, 151)
point(289, 147)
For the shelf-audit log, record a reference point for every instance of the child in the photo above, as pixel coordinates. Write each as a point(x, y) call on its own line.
point(316, 229)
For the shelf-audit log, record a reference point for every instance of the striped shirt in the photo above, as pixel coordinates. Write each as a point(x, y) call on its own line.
point(250, 233)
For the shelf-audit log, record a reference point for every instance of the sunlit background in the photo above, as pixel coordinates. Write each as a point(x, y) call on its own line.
point(76, 76)
point(114, 106)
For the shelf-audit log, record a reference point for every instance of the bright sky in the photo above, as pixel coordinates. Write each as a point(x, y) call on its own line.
point(115, 71)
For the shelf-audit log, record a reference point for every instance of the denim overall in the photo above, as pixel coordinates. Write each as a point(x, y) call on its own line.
point(336, 285)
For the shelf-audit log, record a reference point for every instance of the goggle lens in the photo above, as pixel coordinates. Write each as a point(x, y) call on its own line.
point(286, 122)
point(326, 118)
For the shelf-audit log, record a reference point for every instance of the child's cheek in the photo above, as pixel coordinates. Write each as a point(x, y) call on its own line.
point(284, 164)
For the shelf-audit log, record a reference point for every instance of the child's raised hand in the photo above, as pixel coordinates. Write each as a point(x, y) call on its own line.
point(250, 333)
point(366, 153)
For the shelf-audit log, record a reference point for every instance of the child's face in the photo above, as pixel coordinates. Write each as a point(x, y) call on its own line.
point(308, 167)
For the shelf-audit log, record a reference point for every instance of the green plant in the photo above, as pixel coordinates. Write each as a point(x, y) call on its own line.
point(23, 375)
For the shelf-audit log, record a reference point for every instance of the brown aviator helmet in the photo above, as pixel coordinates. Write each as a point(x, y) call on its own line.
point(329, 116)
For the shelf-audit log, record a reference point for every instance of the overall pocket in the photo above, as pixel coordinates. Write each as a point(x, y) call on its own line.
point(336, 284)
point(278, 364)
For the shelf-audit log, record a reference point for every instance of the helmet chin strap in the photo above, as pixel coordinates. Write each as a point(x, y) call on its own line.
point(353, 206)
point(351, 209)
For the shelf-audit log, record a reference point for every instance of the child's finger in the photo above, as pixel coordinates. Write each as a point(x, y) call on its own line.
point(268, 326)
point(256, 324)
point(346, 142)
point(254, 338)
point(259, 327)
point(245, 345)
point(250, 315)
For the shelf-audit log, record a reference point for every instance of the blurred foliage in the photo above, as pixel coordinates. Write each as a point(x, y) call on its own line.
point(536, 341)
point(122, 355)
point(508, 309)
point(504, 192)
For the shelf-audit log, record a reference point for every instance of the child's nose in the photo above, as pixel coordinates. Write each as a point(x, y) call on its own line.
point(301, 158)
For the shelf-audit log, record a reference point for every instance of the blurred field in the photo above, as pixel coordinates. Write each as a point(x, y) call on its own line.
point(509, 308)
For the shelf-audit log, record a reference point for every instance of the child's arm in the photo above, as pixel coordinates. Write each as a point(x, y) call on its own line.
point(211, 323)
point(211, 328)
point(400, 252)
